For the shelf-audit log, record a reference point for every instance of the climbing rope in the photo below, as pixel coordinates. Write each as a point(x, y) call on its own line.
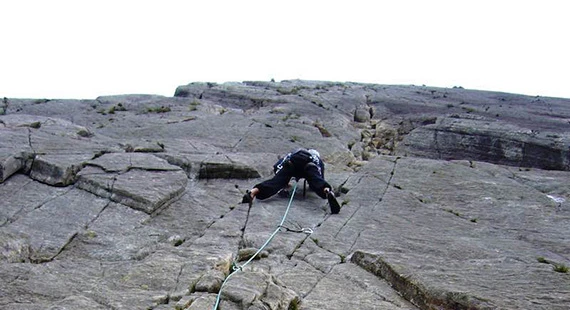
point(237, 268)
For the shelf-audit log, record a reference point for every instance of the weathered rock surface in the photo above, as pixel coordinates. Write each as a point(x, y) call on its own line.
point(451, 199)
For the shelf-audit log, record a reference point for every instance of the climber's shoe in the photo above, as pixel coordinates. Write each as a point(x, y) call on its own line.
point(333, 203)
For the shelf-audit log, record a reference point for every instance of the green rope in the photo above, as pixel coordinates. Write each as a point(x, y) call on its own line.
point(238, 268)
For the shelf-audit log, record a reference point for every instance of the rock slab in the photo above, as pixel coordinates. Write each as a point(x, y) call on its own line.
point(451, 199)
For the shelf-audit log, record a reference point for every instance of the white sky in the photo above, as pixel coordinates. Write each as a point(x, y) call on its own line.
point(84, 49)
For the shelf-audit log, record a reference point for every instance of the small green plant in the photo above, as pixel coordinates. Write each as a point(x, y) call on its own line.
point(473, 220)
point(277, 110)
point(560, 268)
point(90, 234)
point(542, 260)
point(290, 116)
point(315, 240)
point(294, 304)
point(342, 258)
point(289, 91)
point(85, 133)
point(324, 132)
point(194, 105)
point(117, 108)
point(294, 139)
point(345, 202)
point(161, 109)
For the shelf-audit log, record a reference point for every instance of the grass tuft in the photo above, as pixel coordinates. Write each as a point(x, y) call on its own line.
point(560, 268)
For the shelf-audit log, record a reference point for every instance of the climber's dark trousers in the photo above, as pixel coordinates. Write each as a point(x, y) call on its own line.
point(309, 171)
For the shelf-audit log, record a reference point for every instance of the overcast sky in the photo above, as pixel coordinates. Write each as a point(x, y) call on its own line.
point(84, 49)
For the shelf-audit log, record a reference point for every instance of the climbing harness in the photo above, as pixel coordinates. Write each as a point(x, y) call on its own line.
point(236, 267)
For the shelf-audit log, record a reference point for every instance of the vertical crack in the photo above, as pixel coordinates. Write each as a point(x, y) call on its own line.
point(392, 173)
point(178, 276)
point(353, 213)
point(388, 183)
point(26, 157)
point(70, 240)
point(98, 215)
point(317, 283)
point(30, 140)
point(64, 247)
point(436, 143)
point(355, 240)
point(375, 205)
point(298, 246)
point(242, 237)
point(348, 220)
point(237, 143)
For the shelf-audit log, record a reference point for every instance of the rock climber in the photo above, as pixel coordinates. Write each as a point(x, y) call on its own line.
point(301, 163)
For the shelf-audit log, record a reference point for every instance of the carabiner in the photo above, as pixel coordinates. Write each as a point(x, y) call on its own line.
point(307, 230)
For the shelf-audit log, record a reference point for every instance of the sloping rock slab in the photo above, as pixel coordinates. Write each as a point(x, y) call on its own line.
point(58, 170)
point(476, 237)
point(138, 180)
point(10, 163)
point(491, 141)
point(231, 166)
point(14, 149)
point(413, 289)
point(118, 234)
point(117, 162)
point(78, 302)
point(354, 288)
point(50, 227)
point(21, 195)
point(139, 189)
point(54, 135)
point(14, 248)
